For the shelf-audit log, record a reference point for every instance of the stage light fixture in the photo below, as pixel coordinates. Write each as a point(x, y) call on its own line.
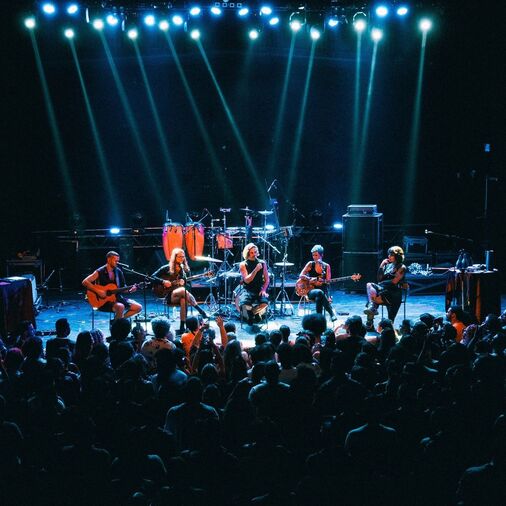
point(195, 34)
point(30, 23)
point(376, 34)
point(177, 19)
point(216, 11)
point(69, 33)
point(49, 8)
point(295, 25)
point(274, 21)
point(337, 226)
point(402, 10)
point(114, 230)
point(72, 9)
point(163, 25)
point(132, 34)
point(253, 34)
point(243, 12)
point(195, 11)
point(98, 24)
point(149, 20)
point(266, 10)
point(112, 20)
point(382, 11)
point(297, 20)
point(315, 33)
point(360, 21)
point(425, 24)
point(333, 21)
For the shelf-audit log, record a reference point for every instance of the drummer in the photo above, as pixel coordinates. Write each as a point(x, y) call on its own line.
point(255, 277)
point(317, 272)
point(174, 276)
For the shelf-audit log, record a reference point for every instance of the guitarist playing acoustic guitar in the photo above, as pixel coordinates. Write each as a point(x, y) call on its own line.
point(109, 278)
point(173, 278)
point(317, 273)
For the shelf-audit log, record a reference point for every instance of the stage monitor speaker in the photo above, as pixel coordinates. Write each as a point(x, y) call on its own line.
point(365, 264)
point(363, 233)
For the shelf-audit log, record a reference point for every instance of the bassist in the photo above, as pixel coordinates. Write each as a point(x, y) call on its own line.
point(317, 272)
point(105, 275)
point(174, 276)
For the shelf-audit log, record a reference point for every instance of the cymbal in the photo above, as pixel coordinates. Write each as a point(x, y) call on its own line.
point(231, 274)
point(284, 264)
point(247, 209)
point(225, 209)
point(265, 213)
point(208, 259)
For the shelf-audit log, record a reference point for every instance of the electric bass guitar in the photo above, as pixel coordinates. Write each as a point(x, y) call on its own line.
point(304, 286)
point(110, 290)
point(161, 291)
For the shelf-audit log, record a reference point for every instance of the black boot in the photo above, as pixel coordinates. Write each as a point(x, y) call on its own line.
point(182, 326)
point(201, 311)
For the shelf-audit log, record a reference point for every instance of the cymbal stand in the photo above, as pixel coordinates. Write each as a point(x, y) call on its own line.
point(282, 296)
point(61, 303)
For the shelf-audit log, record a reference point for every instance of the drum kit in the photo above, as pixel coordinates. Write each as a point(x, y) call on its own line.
point(226, 244)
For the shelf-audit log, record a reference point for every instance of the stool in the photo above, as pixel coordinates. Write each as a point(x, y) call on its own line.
point(405, 291)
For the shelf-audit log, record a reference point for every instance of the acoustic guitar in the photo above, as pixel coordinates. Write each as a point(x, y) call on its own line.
point(304, 286)
point(161, 291)
point(111, 290)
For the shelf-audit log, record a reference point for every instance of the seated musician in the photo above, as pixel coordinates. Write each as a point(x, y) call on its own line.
point(387, 291)
point(105, 275)
point(317, 272)
point(174, 276)
point(255, 277)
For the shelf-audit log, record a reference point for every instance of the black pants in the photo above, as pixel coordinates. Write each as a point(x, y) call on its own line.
point(322, 302)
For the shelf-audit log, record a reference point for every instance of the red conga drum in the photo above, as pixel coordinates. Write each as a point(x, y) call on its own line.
point(194, 239)
point(172, 237)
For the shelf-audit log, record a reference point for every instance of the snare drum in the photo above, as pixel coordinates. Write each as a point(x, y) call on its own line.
point(194, 239)
point(172, 237)
point(224, 241)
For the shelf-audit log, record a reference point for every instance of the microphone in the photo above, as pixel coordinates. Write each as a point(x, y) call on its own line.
point(273, 185)
point(123, 265)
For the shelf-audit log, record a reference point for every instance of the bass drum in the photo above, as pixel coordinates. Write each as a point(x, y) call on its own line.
point(224, 241)
point(194, 236)
point(172, 237)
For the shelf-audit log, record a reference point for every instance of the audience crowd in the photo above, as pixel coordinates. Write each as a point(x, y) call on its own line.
point(308, 416)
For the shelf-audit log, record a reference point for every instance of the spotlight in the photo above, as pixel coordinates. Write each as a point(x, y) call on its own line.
point(112, 20)
point(315, 33)
point(69, 33)
point(382, 11)
point(295, 25)
point(360, 21)
point(274, 21)
point(149, 20)
point(72, 9)
point(49, 8)
point(266, 10)
point(132, 34)
point(243, 12)
point(30, 23)
point(425, 24)
point(297, 20)
point(163, 25)
point(177, 19)
point(195, 34)
point(114, 230)
point(195, 11)
point(402, 10)
point(333, 21)
point(253, 34)
point(376, 34)
point(216, 11)
point(98, 24)
point(337, 226)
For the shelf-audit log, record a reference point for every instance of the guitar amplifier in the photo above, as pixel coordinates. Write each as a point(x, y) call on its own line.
point(362, 209)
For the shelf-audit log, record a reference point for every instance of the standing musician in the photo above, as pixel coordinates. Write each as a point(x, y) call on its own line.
point(387, 291)
point(105, 275)
point(174, 276)
point(317, 272)
point(255, 277)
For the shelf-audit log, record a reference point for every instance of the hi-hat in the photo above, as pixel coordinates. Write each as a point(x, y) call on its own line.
point(225, 209)
point(265, 213)
point(247, 210)
point(284, 264)
point(231, 274)
point(199, 258)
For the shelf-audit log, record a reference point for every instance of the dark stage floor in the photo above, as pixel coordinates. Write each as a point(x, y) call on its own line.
point(73, 306)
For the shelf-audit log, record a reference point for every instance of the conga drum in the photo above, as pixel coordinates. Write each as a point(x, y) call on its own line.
point(194, 239)
point(172, 237)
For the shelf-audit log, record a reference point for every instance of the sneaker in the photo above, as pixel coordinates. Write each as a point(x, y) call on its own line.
point(371, 311)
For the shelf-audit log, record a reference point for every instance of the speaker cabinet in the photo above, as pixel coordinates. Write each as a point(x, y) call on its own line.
point(363, 232)
point(362, 263)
